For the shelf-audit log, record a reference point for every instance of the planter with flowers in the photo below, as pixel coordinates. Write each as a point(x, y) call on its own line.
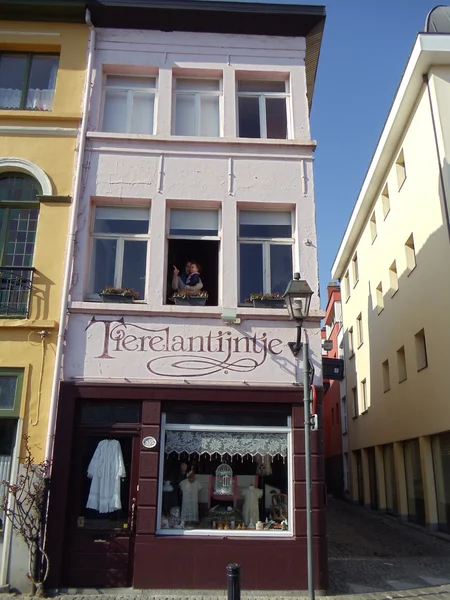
point(261, 300)
point(118, 295)
point(190, 299)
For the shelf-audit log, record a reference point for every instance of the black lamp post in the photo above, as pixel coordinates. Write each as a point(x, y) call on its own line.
point(297, 298)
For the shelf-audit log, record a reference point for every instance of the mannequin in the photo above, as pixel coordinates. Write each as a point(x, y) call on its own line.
point(251, 504)
point(190, 488)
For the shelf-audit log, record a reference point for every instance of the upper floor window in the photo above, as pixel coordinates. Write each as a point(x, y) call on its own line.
point(265, 252)
point(27, 81)
point(193, 238)
point(129, 104)
point(401, 169)
point(11, 382)
point(19, 211)
point(197, 106)
point(119, 250)
point(263, 109)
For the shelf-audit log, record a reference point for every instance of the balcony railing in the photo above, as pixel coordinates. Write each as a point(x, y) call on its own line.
point(15, 291)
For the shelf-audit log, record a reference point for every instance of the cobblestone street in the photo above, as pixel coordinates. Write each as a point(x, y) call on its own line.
point(376, 553)
point(371, 557)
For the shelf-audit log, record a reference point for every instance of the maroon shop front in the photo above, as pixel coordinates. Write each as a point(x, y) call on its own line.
point(201, 477)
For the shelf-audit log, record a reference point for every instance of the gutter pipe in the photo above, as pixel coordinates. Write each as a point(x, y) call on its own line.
point(70, 246)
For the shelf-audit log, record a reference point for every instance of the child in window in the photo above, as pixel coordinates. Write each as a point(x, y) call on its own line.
point(194, 276)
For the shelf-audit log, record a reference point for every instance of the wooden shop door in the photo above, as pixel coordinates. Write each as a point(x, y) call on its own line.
point(100, 546)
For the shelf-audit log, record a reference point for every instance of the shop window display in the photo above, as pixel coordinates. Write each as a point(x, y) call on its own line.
point(220, 477)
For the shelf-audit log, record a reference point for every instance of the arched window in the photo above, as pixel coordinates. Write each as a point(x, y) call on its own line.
point(19, 211)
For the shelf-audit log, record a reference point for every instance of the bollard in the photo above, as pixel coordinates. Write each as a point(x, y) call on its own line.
point(234, 581)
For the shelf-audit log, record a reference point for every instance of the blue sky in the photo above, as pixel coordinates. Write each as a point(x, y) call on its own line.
point(365, 48)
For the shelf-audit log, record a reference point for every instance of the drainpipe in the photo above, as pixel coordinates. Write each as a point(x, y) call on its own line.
point(426, 80)
point(70, 245)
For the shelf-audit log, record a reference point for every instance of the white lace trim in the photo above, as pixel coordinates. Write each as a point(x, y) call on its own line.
point(223, 443)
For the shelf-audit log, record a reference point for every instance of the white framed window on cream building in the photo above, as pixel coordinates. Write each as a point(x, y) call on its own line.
point(119, 249)
point(129, 104)
point(197, 106)
point(263, 109)
point(265, 252)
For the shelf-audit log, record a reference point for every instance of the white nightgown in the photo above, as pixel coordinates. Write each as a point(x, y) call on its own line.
point(106, 469)
point(189, 505)
point(251, 506)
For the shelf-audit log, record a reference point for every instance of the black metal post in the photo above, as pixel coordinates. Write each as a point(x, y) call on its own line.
point(309, 527)
point(234, 581)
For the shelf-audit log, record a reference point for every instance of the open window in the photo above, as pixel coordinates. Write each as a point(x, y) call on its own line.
point(193, 238)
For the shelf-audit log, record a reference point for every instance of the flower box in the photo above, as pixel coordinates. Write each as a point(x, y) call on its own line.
point(189, 300)
point(117, 298)
point(268, 303)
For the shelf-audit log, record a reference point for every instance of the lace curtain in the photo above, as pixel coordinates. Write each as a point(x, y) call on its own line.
point(226, 443)
point(36, 99)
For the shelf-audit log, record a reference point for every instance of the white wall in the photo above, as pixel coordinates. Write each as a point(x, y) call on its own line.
point(228, 173)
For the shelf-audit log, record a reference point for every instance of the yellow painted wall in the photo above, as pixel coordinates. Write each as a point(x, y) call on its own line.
point(20, 342)
point(417, 406)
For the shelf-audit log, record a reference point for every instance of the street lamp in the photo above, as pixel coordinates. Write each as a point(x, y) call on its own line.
point(297, 298)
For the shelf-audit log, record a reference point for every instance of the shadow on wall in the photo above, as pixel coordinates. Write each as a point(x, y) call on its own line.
point(40, 299)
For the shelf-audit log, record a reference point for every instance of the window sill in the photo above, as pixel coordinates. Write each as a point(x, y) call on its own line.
point(199, 533)
point(373, 241)
point(402, 380)
point(387, 390)
point(422, 368)
point(44, 115)
point(356, 283)
point(394, 292)
point(411, 270)
point(380, 310)
point(15, 322)
point(104, 135)
point(142, 308)
point(352, 355)
point(359, 346)
point(365, 411)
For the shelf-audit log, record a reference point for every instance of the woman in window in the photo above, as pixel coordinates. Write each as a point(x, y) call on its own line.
point(189, 281)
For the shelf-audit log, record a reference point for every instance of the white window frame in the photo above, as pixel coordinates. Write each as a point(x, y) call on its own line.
point(262, 107)
point(198, 94)
point(344, 415)
point(121, 238)
point(266, 243)
point(227, 428)
point(130, 92)
point(217, 237)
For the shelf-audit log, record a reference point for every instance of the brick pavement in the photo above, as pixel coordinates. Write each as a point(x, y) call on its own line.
point(371, 557)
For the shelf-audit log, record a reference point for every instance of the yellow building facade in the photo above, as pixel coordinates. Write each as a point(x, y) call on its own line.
point(393, 265)
point(42, 81)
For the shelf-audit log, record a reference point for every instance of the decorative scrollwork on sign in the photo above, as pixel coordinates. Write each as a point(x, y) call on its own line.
point(198, 367)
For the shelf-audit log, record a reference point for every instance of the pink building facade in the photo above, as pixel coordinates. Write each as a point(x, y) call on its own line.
point(197, 149)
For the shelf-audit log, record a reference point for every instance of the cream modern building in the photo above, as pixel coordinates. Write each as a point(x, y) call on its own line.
point(393, 264)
